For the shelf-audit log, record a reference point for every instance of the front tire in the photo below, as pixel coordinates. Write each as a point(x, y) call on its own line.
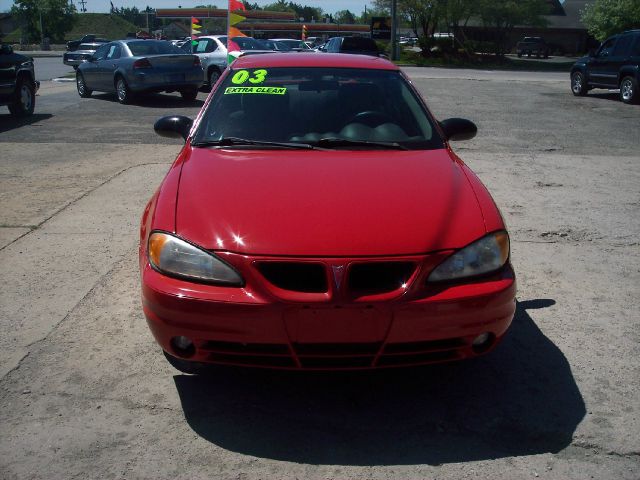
point(81, 85)
point(189, 95)
point(629, 90)
point(123, 93)
point(578, 84)
point(25, 98)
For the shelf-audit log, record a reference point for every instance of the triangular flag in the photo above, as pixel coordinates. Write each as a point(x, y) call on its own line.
point(234, 18)
point(236, 5)
point(234, 32)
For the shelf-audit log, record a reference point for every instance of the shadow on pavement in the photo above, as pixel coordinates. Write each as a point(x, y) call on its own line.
point(608, 95)
point(9, 122)
point(158, 100)
point(519, 400)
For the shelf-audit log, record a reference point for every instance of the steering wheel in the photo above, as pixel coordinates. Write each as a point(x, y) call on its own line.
point(370, 118)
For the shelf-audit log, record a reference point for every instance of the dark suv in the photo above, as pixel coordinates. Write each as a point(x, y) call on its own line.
point(616, 64)
point(18, 85)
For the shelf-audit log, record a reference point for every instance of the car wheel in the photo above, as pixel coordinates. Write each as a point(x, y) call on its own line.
point(83, 91)
point(214, 75)
point(25, 98)
point(189, 95)
point(578, 84)
point(185, 366)
point(629, 90)
point(122, 91)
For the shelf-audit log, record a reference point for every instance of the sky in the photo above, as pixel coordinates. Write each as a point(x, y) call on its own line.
point(102, 6)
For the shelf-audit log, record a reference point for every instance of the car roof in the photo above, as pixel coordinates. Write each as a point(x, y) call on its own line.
point(327, 60)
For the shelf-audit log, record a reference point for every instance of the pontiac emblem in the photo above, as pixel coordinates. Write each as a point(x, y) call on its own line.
point(338, 274)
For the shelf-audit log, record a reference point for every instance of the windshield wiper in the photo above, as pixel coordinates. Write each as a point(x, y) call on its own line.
point(345, 142)
point(236, 141)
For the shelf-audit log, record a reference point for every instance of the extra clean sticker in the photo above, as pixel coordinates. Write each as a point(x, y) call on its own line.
point(260, 90)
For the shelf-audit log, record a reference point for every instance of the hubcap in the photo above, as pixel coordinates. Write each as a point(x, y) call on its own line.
point(80, 86)
point(25, 97)
point(626, 89)
point(122, 90)
point(577, 83)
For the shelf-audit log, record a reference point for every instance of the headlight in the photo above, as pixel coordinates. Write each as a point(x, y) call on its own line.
point(486, 255)
point(173, 256)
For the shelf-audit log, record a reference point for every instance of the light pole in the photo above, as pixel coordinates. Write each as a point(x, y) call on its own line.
point(394, 26)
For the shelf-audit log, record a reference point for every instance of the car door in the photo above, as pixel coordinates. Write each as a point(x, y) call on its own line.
point(621, 54)
point(601, 70)
point(90, 68)
point(107, 67)
point(8, 62)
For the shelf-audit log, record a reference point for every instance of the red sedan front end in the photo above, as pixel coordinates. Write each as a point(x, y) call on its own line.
point(368, 247)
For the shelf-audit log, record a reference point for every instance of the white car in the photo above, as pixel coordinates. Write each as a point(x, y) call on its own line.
point(212, 50)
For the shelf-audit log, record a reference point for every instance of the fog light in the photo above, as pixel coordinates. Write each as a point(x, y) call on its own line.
point(482, 342)
point(183, 346)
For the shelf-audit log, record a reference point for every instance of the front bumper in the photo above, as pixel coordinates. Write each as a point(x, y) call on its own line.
point(248, 327)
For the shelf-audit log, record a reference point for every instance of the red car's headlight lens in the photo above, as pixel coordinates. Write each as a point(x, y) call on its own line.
point(486, 255)
point(173, 256)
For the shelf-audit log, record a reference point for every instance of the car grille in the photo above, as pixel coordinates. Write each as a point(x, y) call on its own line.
point(295, 276)
point(363, 278)
point(329, 356)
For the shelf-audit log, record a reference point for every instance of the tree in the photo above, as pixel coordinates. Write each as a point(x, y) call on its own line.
point(603, 18)
point(55, 16)
point(500, 16)
point(345, 16)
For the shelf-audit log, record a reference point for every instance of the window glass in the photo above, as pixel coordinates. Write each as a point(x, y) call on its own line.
point(304, 105)
point(607, 48)
point(206, 45)
point(623, 47)
point(152, 47)
point(114, 52)
point(635, 50)
point(101, 52)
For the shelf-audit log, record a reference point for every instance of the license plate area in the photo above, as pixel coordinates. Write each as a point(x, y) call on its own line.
point(336, 325)
point(175, 77)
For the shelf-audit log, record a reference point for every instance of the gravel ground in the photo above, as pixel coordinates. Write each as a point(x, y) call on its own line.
point(85, 392)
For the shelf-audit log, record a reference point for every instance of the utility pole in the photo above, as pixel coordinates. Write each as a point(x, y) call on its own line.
point(394, 27)
point(83, 7)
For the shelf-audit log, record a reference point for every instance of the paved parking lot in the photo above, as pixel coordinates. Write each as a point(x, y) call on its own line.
point(86, 393)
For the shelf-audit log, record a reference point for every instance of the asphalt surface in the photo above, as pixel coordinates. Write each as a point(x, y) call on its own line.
point(86, 393)
point(48, 68)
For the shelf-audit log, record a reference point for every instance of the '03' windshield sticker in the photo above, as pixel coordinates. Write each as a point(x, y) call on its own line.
point(244, 76)
point(261, 90)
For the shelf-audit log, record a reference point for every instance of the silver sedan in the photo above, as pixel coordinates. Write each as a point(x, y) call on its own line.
point(129, 67)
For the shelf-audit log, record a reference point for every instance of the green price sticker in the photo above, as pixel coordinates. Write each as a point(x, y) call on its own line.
point(244, 76)
point(257, 90)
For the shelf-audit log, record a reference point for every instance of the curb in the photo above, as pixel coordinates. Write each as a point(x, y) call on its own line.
point(63, 79)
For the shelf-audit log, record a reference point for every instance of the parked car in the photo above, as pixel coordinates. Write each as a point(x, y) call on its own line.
point(18, 84)
point(212, 50)
point(316, 218)
point(616, 64)
point(130, 67)
point(357, 45)
point(81, 54)
point(275, 46)
point(89, 38)
point(293, 44)
point(532, 46)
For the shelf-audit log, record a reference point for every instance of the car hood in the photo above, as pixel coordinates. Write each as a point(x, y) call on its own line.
point(326, 203)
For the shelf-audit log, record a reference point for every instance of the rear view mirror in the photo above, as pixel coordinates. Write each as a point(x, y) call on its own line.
point(458, 129)
point(173, 126)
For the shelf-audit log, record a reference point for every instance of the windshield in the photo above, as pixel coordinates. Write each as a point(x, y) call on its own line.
point(327, 107)
point(152, 47)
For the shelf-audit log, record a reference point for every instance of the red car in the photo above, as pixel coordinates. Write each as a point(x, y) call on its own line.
point(316, 218)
